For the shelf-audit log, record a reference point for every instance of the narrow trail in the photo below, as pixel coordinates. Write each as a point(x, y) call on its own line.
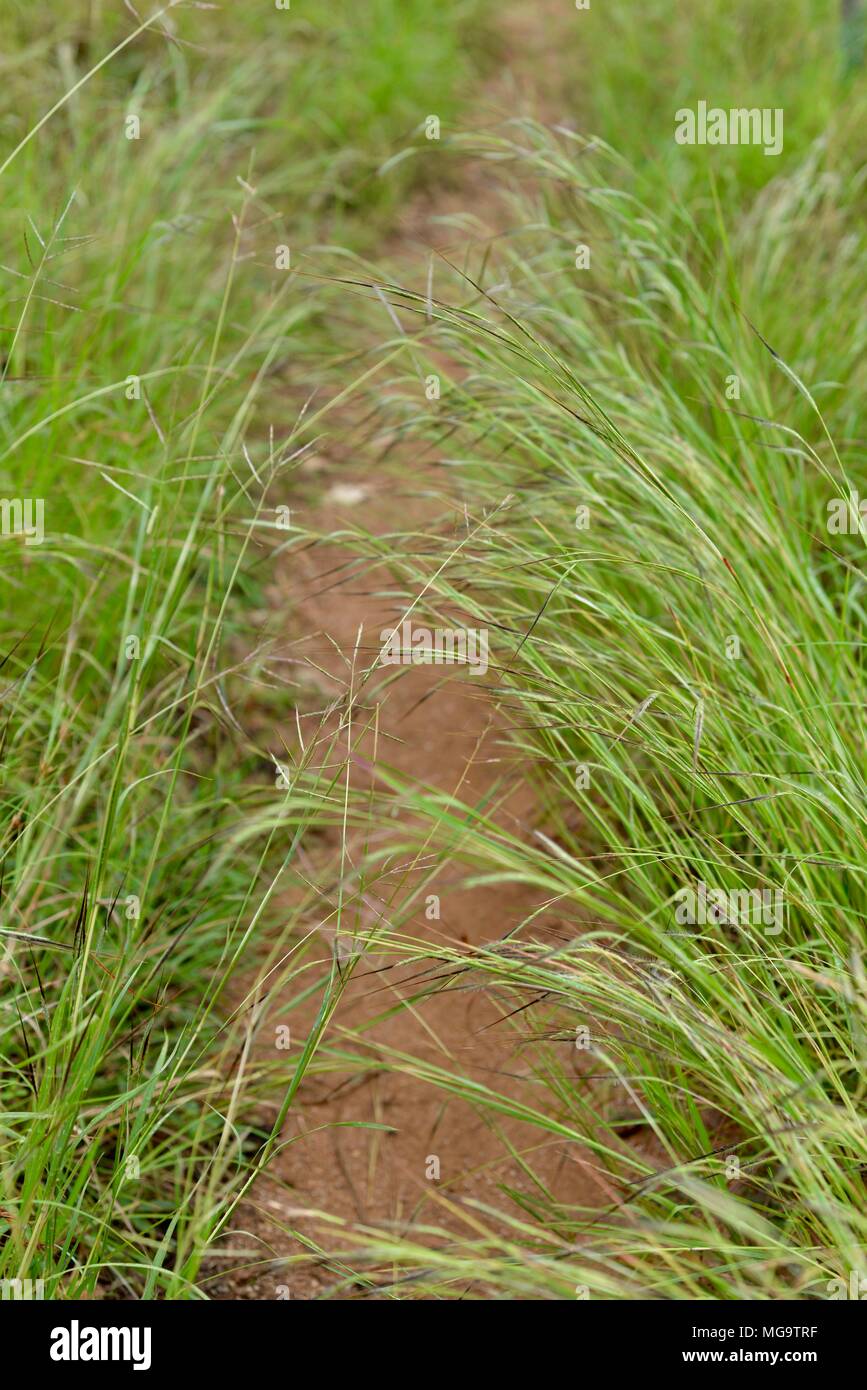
point(438, 726)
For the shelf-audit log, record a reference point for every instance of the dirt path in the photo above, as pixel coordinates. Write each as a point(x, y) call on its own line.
point(437, 726)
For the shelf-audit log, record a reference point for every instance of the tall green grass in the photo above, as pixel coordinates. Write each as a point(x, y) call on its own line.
point(153, 356)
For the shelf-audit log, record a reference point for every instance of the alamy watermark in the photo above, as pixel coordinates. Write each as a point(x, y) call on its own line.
point(442, 646)
point(855, 1289)
point(77, 1343)
point(737, 126)
point(735, 907)
point(23, 516)
point(26, 1289)
point(847, 516)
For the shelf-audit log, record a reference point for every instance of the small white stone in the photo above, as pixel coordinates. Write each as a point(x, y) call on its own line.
point(347, 494)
